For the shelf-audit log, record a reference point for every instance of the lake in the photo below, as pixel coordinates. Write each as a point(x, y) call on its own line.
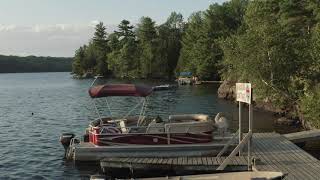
point(37, 107)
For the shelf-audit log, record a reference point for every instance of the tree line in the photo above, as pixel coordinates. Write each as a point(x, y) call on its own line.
point(144, 51)
point(273, 44)
point(17, 64)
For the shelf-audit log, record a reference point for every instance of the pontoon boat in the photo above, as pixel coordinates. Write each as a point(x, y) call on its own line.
point(141, 136)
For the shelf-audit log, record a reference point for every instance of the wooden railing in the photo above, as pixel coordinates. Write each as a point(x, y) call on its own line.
point(244, 141)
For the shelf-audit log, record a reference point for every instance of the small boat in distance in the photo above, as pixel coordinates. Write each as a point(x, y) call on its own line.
point(162, 87)
point(141, 136)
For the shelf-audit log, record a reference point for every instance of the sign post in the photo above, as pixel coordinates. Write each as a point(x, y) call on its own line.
point(240, 126)
point(244, 95)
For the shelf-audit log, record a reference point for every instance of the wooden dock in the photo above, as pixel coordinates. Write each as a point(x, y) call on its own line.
point(303, 136)
point(271, 151)
point(211, 82)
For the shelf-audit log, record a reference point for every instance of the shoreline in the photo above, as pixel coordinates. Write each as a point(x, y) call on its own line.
point(227, 91)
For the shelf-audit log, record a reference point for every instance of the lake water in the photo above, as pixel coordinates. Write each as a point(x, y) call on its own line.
point(29, 145)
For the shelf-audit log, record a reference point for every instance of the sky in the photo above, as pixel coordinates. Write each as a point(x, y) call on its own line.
point(59, 27)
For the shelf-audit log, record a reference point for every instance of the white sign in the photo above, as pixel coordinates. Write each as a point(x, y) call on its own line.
point(243, 92)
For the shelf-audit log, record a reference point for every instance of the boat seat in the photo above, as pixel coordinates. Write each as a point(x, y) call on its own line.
point(155, 127)
point(116, 120)
point(189, 127)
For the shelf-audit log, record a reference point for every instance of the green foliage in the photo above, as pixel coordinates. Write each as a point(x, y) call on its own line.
point(146, 34)
point(188, 58)
point(201, 52)
point(124, 56)
point(16, 64)
point(169, 43)
point(310, 107)
point(125, 32)
point(313, 70)
point(100, 38)
point(278, 51)
point(259, 55)
point(98, 50)
point(78, 62)
point(148, 52)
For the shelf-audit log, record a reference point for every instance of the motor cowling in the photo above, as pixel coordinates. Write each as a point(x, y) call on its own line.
point(65, 140)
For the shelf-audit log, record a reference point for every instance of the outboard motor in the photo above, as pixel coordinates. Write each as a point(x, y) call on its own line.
point(65, 140)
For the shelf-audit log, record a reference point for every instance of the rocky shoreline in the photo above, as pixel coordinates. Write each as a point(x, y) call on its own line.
point(227, 91)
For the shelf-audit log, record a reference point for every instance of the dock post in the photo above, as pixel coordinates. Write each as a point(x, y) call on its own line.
point(250, 140)
point(240, 126)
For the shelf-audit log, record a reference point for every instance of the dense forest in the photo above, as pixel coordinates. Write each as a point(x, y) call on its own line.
point(17, 64)
point(274, 44)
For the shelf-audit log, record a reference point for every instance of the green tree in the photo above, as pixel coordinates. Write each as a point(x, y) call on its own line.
point(169, 44)
point(100, 43)
point(187, 59)
point(90, 58)
point(201, 52)
point(78, 61)
point(146, 34)
point(100, 38)
point(124, 56)
point(310, 108)
point(125, 32)
point(260, 55)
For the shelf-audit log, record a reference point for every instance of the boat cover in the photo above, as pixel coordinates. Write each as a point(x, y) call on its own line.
point(185, 74)
point(119, 90)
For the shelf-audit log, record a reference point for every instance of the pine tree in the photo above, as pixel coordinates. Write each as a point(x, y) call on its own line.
point(100, 38)
point(100, 43)
point(193, 31)
point(146, 34)
point(125, 32)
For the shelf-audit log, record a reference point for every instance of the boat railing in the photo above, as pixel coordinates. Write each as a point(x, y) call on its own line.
point(141, 129)
point(168, 135)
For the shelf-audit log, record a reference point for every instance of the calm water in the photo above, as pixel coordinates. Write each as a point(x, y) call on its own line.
point(29, 143)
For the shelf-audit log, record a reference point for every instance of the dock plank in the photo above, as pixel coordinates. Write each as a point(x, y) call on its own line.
point(209, 160)
point(180, 161)
point(277, 155)
point(303, 136)
point(204, 161)
point(190, 160)
point(184, 161)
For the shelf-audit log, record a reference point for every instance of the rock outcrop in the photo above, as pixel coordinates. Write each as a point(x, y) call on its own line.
point(227, 90)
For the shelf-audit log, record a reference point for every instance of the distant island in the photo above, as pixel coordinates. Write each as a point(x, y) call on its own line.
point(18, 64)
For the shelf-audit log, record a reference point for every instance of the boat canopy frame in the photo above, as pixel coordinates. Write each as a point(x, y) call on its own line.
point(107, 90)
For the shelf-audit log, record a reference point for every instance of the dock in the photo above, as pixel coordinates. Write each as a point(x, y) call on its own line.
point(303, 136)
point(270, 152)
point(211, 82)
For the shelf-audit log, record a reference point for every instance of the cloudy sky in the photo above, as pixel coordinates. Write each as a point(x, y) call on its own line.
point(58, 27)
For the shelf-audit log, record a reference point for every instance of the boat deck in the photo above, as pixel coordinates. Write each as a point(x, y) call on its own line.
point(272, 152)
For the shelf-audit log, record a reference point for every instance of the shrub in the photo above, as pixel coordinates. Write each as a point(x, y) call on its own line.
point(310, 107)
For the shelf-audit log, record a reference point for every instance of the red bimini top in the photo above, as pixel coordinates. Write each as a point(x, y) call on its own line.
point(119, 90)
